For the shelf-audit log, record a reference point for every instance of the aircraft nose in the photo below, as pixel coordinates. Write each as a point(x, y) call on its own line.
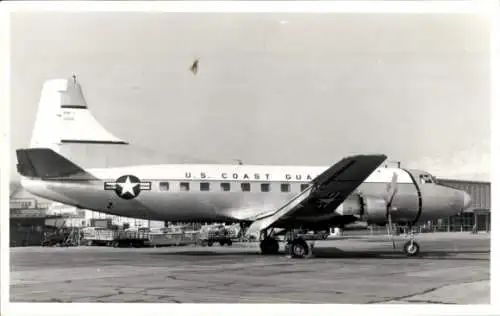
point(467, 201)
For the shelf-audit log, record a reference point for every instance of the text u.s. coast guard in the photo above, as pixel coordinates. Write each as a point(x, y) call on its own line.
point(247, 176)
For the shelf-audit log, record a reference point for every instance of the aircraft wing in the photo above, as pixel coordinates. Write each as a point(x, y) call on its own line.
point(329, 189)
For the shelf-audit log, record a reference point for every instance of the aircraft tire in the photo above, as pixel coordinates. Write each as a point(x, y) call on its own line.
point(229, 242)
point(210, 243)
point(299, 248)
point(269, 246)
point(222, 243)
point(410, 249)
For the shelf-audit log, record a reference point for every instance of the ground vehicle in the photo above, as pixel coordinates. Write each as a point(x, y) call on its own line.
point(54, 240)
point(313, 235)
point(172, 236)
point(216, 233)
point(115, 238)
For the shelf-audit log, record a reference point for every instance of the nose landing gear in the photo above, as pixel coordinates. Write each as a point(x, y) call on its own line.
point(411, 247)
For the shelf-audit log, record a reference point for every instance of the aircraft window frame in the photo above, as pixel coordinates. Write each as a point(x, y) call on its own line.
point(426, 178)
point(285, 185)
point(244, 185)
point(204, 186)
point(184, 186)
point(164, 186)
point(223, 186)
point(267, 185)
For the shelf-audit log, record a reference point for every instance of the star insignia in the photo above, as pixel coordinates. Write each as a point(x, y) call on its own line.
point(127, 187)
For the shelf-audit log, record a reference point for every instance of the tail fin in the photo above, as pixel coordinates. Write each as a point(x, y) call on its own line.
point(63, 117)
point(46, 164)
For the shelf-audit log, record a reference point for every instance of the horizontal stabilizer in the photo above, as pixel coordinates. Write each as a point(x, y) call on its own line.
point(45, 163)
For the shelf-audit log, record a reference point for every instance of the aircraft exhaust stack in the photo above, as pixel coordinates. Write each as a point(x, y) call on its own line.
point(63, 117)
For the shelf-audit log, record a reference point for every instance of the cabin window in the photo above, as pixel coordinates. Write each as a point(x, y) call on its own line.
point(225, 187)
point(204, 186)
point(184, 186)
point(303, 186)
point(245, 187)
point(164, 186)
point(285, 187)
point(264, 187)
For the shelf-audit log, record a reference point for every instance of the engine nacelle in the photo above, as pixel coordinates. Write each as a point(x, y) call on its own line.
point(374, 211)
point(369, 209)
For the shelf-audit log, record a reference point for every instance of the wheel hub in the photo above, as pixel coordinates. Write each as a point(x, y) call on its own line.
point(412, 248)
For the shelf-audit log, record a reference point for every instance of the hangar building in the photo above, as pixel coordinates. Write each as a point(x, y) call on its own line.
point(480, 193)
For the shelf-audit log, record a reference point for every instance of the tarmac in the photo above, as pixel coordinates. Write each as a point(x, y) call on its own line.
point(452, 268)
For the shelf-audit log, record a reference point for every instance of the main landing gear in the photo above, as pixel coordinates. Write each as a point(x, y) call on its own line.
point(296, 246)
point(299, 248)
point(268, 244)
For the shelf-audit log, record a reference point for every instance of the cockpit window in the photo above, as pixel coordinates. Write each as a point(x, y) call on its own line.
point(426, 178)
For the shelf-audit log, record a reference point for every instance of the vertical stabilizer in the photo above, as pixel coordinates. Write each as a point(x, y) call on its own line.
point(63, 117)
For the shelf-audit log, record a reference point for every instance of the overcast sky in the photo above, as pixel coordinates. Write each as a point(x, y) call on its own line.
point(302, 89)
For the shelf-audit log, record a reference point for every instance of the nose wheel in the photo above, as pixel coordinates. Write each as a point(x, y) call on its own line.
point(411, 247)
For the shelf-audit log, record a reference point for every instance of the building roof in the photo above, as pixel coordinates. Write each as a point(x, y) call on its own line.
point(18, 192)
point(14, 187)
point(463, 181)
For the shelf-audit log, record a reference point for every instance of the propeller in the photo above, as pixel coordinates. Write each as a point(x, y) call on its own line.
point(392, 189)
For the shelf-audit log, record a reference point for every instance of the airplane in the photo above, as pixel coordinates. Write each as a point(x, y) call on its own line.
point(267, 200)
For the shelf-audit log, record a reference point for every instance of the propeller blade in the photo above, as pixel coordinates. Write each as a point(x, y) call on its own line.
point(391, 235)
point(392, 189)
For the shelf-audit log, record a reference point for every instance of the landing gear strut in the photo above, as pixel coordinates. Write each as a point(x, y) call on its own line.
point(268, 244)
point(296, 246)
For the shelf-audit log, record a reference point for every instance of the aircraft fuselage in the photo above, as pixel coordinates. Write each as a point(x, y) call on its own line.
point(239, 192)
